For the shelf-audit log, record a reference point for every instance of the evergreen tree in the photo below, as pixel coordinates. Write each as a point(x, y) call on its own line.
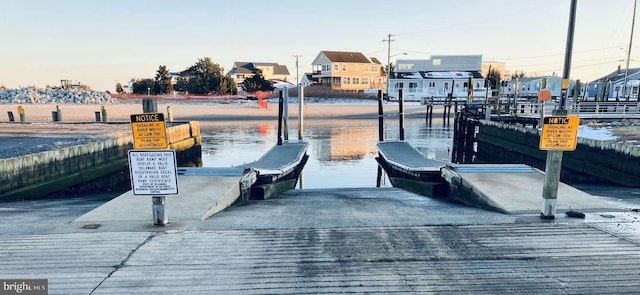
point(144, 86)
point(119, 88)
point(494, 78)
point(163, 81)
point(204, 77)
point(257, 82)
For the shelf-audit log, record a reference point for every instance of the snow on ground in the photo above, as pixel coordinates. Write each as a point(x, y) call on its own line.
point(598, 133)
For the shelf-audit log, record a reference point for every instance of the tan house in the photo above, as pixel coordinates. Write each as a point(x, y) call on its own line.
point(343, 70)
point(270, 71)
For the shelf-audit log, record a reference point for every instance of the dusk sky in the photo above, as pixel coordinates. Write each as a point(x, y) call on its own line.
point(100, 43)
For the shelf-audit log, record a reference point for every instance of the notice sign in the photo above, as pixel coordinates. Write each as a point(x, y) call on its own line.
point(153, 172)
point(559, 133)
point(149, 131)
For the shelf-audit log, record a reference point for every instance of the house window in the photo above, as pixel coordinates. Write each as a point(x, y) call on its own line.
point(240, 76)
point(336, 67)
point(446, 85)
point(366, 68)
point(432, 84)
point(356, 81)
point(437, 62)
point(399, 85)
point(465, 84)
point(344, 67)
point(413, 86)
point(346, 80)
point(364, 81)
point(355, 67)
point(374, 68)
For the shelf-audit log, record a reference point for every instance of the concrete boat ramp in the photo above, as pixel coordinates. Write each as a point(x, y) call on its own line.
point(379, 240)
point(506, 188)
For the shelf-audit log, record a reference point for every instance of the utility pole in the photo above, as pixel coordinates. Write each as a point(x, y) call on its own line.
point(553, 164)
point(297, 56)
point(388, 40)
point(626, 71)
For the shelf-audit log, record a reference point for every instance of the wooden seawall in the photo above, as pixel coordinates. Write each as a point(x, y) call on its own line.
point(39, 174)
point(593, 160)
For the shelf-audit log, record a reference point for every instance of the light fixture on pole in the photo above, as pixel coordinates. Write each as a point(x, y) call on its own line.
point(389, 67)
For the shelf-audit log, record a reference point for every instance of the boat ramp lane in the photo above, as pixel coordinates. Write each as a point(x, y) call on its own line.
point(205, 191)
point(513, 189)
point(506, 188)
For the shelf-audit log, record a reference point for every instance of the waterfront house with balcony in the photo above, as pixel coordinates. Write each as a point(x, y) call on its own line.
point(349, 71)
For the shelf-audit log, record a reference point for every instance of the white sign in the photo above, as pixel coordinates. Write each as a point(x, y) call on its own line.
point(153, 172)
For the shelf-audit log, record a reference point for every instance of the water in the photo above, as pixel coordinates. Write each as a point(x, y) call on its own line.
point(341, 152)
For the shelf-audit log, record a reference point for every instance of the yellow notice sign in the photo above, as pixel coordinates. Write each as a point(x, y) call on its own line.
point(149, 131)
point(559, 133)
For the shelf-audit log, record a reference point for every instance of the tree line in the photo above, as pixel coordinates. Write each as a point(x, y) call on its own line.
point(203, 77)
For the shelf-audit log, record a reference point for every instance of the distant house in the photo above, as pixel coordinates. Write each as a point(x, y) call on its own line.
point(345, 70)
point(610, 87)
point(270, 71)
point(530, 87)
point(437, 77)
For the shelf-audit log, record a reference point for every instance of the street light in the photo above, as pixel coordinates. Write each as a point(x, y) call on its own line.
point(148, 91)
point(389, 56)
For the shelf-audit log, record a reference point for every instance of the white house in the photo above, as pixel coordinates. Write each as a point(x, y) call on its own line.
point(438, 77)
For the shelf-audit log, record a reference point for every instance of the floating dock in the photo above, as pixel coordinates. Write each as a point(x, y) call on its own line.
point(409, 169)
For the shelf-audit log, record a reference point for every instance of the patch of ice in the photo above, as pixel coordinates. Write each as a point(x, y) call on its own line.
point(597, 133)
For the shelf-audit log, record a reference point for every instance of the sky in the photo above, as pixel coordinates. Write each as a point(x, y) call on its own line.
point(101, 43)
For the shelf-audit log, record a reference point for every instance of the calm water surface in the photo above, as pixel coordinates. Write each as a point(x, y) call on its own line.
point(342, 152)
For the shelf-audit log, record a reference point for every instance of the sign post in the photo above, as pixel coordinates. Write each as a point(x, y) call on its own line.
point(152, 167)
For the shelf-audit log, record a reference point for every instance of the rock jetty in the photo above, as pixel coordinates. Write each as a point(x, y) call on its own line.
point(54, 95)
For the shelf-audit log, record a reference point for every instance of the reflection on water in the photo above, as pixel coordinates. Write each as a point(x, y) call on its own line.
point(342, 152)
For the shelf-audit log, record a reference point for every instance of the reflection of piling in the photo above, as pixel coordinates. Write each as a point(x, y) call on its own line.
point(429, 117)
point(280, 111)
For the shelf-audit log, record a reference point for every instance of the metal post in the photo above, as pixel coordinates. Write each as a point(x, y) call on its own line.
point(286, 113)
point(380, 117)
point(553, 164)
point(159, 214)
point(626, 71)
point(21, 114)
point(103, 110)
point(280, 107)
point(301, 112)
point(170, 113)
point(401, 112)
point(58, 113)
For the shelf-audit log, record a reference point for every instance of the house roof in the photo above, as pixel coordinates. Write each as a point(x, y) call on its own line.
point(439, 75)
point(617, 76)
point(346, 56)
point(240, 67)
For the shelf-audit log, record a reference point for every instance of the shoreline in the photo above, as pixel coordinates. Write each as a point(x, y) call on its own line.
point(208, 111)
